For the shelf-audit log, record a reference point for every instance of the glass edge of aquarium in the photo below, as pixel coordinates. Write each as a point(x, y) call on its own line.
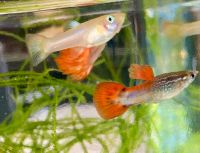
point(14, 7)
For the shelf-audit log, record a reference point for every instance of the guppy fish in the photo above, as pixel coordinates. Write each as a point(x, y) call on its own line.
point(112, 99)
point(91, 33)
point(78, 62)
point(176, 30)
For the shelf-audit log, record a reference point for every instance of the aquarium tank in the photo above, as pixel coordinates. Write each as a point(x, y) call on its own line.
point(44, 110)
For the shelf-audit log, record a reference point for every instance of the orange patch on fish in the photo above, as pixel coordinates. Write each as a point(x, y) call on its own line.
point(74, 62)
point(106, 102)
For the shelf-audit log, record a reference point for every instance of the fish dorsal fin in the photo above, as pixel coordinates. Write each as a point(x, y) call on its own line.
point(141, 72)
point(71, 25)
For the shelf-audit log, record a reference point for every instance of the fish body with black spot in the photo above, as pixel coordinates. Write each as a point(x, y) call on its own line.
point(113, 99)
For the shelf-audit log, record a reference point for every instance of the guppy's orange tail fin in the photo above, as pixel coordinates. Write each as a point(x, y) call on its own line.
point(106, 100)
point(141, 72)
point(74, 62)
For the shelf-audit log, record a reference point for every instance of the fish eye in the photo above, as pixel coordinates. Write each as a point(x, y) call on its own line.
point(192, 75)
point(110, 19)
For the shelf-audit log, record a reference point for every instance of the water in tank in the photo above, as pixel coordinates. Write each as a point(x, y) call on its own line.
point(97, 76)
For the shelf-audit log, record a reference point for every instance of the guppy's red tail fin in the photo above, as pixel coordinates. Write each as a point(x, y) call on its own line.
point(106, 100)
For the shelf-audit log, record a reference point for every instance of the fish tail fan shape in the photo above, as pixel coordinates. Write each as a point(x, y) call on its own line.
point(106, 100)
point(74, 62)
point(141, 72)
point(35, 44)
point(172, 30)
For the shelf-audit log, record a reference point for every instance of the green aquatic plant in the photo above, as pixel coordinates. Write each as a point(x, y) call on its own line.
point(75, 128)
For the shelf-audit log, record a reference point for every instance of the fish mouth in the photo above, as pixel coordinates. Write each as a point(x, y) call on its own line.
point(196, 72)
point(120, 17)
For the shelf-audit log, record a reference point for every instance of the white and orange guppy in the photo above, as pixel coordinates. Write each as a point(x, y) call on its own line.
point(112, 99)
point(92, 33)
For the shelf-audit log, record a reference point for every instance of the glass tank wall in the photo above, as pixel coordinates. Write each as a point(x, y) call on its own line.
point(44, 110)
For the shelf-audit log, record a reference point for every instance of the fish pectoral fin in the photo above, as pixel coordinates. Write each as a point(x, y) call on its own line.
point(95, 52)
point(106, 100)
point(141, 72)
